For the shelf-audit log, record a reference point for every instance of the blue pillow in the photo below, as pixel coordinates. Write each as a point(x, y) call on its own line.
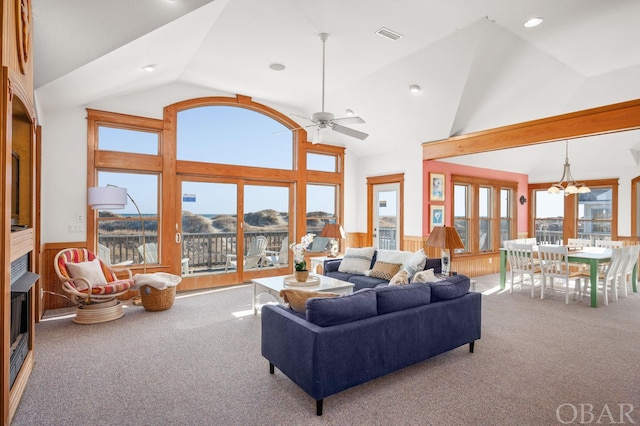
point(327, 311)
point(451, 288)
point(398, 297)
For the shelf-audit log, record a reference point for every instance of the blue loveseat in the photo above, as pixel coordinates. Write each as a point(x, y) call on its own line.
point(360, 281)
point(344, 341)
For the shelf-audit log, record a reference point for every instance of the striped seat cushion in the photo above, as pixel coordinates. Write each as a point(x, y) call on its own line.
point(111, 288)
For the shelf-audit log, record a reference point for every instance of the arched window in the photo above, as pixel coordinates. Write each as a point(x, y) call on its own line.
point(235, 136)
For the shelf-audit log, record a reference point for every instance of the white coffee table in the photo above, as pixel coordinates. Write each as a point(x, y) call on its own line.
point(273, 285)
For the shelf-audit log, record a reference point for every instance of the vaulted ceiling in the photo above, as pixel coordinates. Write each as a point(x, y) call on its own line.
point(477, 65)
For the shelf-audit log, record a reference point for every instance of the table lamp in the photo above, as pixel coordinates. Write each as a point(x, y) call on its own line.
point(336, 233)
point(447, 238)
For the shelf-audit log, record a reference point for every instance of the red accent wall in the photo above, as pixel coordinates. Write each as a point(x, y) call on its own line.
point(431, 166)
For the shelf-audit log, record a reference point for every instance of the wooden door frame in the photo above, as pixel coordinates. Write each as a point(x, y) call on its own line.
point(381, 180)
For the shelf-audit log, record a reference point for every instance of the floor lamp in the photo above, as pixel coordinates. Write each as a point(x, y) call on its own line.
point(115, 198)
point(447, 238)
point(336, 233)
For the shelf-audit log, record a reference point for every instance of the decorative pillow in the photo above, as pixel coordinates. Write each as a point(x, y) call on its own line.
point(91, 270)
point(298, 298)
point(415, 263)
point(424, 277)
point(393, 256)
point(401, 278)
point(356, 260)
point(325, 312)
point(451, 288)
point(396, 298)
point(385, 270)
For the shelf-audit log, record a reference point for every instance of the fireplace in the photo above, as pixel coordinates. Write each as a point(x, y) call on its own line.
point(22, 281)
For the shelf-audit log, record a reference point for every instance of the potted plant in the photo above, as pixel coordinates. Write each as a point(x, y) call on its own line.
point(301, 272)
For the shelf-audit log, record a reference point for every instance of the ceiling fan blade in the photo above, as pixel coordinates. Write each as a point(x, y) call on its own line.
point(349, 120)
point(302, 116)
point(293, 130)
point(349, 132)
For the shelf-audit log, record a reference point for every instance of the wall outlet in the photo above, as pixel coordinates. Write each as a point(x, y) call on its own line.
point(490, 260)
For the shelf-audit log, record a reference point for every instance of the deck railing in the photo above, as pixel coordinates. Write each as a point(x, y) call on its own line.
point(208, 251)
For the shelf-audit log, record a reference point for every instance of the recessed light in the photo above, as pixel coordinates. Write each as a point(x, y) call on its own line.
point(533, 22)
point(350, 113)
point(149, 68)
point(277, 66)
point(414, 88)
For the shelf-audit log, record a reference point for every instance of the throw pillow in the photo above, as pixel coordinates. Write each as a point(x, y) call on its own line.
point(356, 260)
point(415, 263)
point(91, 270)
point(385, 270)
point(393, 256)
point(326, 312)
point(297, 298)
point(401, 278)
point(397, 298)
point(424, 277)
point(451, 288)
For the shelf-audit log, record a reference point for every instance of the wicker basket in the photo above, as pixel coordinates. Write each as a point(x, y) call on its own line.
point(157, 300)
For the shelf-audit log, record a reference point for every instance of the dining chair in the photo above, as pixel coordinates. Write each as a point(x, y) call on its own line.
point(633, 252)
point(555, 266)
point(579, 242)
point(523, 262)
point(611, 277)
point(609, 243)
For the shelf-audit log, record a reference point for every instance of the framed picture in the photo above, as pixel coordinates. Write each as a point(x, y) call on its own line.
point(437, 216)
point(436, 186)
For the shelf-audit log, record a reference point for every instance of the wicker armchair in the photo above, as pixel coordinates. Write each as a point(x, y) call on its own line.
point(92, 285)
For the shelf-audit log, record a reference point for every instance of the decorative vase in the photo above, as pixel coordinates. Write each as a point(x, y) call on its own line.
point(302, 276)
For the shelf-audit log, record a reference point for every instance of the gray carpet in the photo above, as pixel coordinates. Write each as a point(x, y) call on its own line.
point(199, 363)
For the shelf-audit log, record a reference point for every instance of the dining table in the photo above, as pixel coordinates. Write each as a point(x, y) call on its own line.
point(591, 256)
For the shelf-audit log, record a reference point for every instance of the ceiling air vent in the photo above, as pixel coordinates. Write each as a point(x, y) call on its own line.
point(386, 32)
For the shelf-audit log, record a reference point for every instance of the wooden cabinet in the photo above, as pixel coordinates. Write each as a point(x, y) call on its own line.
point(19, 224)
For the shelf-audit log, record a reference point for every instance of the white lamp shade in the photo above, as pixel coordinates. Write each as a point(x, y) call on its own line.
point(107, 197)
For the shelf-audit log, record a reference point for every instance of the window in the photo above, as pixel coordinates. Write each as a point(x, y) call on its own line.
point(549, 217)
point(321, 207)
point(322, 162)
point(127, 140)
point(476, 203)
point(591, 216)
point(120, 231)
point(233, 135)
point(486, 218)
point(461, 212)
point(506, 214)
point(594, 214)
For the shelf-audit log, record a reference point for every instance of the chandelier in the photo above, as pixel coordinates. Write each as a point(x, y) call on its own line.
point(567, 182)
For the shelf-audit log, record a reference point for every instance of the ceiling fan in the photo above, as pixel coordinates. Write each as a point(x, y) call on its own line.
point(322, 120)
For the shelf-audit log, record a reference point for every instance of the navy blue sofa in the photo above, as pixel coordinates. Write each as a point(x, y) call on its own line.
point(330, 269)
point(342, 342)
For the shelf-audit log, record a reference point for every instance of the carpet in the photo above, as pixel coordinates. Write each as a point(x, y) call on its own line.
point(539, 362)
